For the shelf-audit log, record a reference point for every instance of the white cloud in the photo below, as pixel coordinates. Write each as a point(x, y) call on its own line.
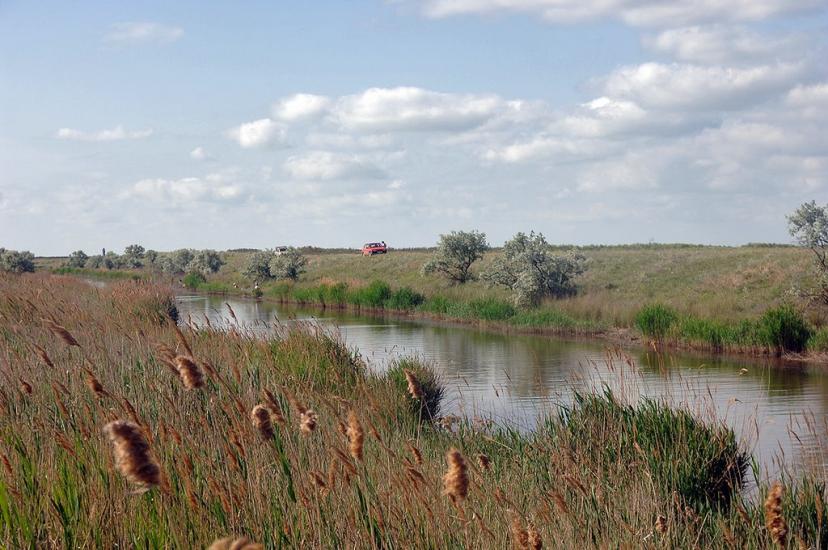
point(115, 134)
point(200, 154)
point(324, 165)
point(212, 188)
point(141, 32)
point(301, 106)
point(259, 133)
point(812, 100)
point(694, 87)
point(632, 12)
point(414, 109)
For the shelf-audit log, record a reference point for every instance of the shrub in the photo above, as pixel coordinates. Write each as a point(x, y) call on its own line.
point(77, 259)
point(530, 269)
point(205, 262)
point(455, 254)
point(194, 279)
point(16, 262)
point(258, 267)
point(655, 321)
point(287, 265)
point(404, 298)
point(784, 329)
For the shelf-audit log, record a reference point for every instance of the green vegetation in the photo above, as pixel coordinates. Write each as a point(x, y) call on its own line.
point(455, 254)
point(654, 321)
point(295, 442)
point(12, 261)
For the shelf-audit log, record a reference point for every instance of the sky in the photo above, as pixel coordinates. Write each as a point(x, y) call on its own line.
point(258, 124)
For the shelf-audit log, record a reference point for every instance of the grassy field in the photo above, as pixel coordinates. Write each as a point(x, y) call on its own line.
point(118, 430)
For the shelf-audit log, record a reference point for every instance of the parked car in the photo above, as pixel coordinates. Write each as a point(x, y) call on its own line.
point(369, 249)
point(279, 250)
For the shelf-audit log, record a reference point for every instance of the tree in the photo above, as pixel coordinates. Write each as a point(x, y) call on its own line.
point(288, 265)
point(95, 262)
point(113, 261)
point(258, 267)
point(455, 254)
point(151, 256)
point(175, 262)
point(530, 269)
point(809, 226)
point(16, 262)
point(77, 259)
point(205, 262)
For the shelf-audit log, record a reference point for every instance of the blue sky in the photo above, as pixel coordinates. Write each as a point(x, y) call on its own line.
point(221, 125)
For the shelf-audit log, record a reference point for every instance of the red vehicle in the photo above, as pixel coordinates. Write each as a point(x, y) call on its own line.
point(369, 249)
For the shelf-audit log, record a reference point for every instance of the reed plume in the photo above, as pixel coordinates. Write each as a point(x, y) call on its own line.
point(414, 386)
point(231, 543)
point(533, 538)
point(190, 372)
point(25, 387)
point(520, 537)
point(484, 462)
point(456, 479)
point(275, 409)
point(132, 453)
point(416, 453)
point(44, 356)
point(95, 385)
point(261, 417)
point(61, 332)
point(356, 436)
point(307, 421)
point(774, 521)
point(661, 524)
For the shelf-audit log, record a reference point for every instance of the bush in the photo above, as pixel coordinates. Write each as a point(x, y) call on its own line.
point(287, 265)
point(77, 259)
point(16, 262)
point(784, 329)
point(194, 279)
point(455, 254)
point(655, 321)
point(205, 262)
point(404, 298)
point(532, 271)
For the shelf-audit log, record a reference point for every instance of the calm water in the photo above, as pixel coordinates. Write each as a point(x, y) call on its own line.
point(780, 412)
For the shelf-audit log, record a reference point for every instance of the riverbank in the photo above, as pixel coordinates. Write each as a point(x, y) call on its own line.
point(718, 296)
point(294, 442)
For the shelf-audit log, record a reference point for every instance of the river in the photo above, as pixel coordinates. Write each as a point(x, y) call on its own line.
point(779, 411)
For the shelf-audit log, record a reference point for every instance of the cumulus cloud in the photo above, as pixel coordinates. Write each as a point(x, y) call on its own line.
point(414, 109)
point(213, 188)
point(325, 165)
point(638, 13)
point(115, 134)
point(142, 32)
point(200, 154)
point(695, 87)
point(259, 133)
point(723, 44)
point(300, 106)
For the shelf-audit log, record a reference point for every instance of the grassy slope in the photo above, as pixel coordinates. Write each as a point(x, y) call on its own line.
point(722, 283)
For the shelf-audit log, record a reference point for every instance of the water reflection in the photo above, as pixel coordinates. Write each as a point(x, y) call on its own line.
point(516, 379)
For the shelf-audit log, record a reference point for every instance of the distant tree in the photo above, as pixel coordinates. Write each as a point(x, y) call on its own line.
point(532, 271)
point(113, 261)
point(809, 226)
point(288, 265)
point(151, 256)
point(133, 256)
point(77, 259)
point(205, 262)
point(455, 254)
point(258, 267)
point(13, 261)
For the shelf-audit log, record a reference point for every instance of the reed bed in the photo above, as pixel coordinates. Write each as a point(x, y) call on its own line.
point(119, 428)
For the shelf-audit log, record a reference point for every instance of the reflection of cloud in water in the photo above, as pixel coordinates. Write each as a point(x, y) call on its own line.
point(517, 379)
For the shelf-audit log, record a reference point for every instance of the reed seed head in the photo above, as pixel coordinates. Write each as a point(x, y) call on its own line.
point(356, 436)
point(231, 543)
point(190, 372)
point(533, 538)
point(661, 524)
point(456, 479)
point(261, 417)
point(520, 537)
point(484, 462)
point(777, 527)
point(61, 332)
point(415, 452)
point(132, 453)
point(307, 421)
point(414, 386)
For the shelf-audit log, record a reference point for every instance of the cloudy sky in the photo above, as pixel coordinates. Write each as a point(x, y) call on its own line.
point(255, 124)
